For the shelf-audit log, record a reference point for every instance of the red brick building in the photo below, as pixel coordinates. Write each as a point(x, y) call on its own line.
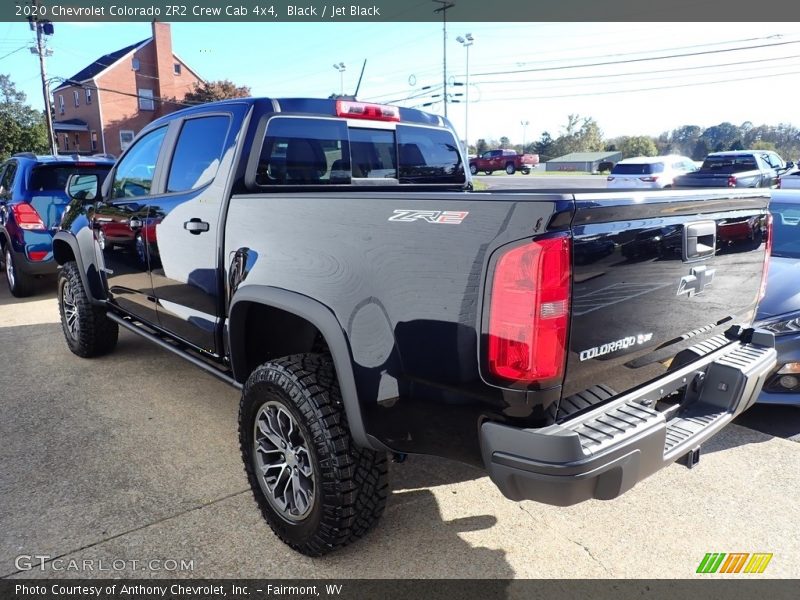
point(102, 107)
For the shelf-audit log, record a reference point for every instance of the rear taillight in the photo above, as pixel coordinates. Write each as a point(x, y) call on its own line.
point(731, 181)
point(364, 110)
point(767, 254)
point(27, 217)
point(529, 312)
point(649, 179)
point(37, 255)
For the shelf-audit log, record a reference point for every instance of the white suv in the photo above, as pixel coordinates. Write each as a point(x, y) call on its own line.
point(649, 172)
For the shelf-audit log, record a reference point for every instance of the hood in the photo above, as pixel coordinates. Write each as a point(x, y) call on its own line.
point(783, 293)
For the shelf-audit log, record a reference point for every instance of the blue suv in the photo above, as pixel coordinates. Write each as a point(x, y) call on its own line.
point(32, 200)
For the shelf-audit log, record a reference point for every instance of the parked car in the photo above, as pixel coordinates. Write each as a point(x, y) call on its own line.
point(503, 160)
point(741, 168)
point(779, 311)
point(32, 199)
point(649, 172)
point(326, 257)
point(789, 180)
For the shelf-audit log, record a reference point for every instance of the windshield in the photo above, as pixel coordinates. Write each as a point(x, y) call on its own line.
point(785, 230)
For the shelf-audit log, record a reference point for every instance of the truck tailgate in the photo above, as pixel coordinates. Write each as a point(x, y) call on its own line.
point(655, 273)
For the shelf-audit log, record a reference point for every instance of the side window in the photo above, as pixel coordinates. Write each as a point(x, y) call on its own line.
point(7, 179)
point(197, 153)
point(428, 156)
point(300, 151)
point(134, 174)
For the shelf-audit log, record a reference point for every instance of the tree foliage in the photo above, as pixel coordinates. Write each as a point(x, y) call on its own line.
point(211, 91)
point(637, 145)
point(581, 134)
point(22, 128)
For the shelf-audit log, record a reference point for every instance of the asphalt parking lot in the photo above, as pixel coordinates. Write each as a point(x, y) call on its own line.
point(134, 457)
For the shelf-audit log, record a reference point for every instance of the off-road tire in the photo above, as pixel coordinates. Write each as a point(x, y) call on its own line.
point(351, 483)
point(19, 284)
point(95, 334)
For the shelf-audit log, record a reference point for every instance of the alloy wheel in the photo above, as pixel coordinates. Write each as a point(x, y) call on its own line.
point(283, 462)
point(70, 310)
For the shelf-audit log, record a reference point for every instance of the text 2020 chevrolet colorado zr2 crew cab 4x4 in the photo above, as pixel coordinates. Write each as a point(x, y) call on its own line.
point(329, 258)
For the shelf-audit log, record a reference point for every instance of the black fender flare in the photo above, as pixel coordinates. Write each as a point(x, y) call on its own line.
point(94, 292)
point(328, 325)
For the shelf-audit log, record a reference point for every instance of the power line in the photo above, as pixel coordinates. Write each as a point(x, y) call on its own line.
point(14, 51)
point(649, 89)
point(636, 60)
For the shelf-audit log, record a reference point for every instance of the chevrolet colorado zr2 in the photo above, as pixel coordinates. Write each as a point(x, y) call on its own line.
point(330, 259)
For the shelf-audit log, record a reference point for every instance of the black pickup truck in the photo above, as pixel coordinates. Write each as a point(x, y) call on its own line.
point(329, 258)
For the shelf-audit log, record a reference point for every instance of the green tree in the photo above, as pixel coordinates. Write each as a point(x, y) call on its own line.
point(581, 134)
point(683, 140)
point(544, 147)
point(211, 91)
point(481, 146)
point(22, 128)
point(505, 142)
point(638, 145)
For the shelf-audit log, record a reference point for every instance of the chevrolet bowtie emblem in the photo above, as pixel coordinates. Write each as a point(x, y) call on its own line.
point(696, 281)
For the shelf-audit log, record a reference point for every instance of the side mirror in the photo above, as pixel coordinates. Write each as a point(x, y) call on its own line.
point(83, 187)
point(790, 165)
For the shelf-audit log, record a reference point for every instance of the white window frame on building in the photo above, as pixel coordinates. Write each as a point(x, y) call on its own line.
point(77, 97)
point(176, 68)
point(126, 138)
point(88, 96)
point(61, 103)
point(146, 101)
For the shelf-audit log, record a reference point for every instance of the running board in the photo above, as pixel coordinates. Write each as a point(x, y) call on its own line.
point(159, 341)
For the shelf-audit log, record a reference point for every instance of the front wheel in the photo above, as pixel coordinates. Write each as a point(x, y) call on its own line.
point(317, 490)
point(473, 169)
point(511, 169)
point(86, 328)
point(488, 172)
point(526, 171)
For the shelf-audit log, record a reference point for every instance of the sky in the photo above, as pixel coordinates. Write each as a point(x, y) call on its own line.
point(660, 76)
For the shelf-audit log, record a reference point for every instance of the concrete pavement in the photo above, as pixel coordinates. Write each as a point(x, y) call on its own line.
point(134, 456)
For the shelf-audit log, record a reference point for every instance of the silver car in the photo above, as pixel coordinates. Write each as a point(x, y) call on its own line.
point(649, 172)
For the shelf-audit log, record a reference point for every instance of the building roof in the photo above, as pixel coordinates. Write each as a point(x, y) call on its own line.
point(102, 63)
point(585, 157)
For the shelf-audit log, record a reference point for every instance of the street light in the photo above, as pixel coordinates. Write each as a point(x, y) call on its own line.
point(524, 129)
point(341, 68)
point(466, 41)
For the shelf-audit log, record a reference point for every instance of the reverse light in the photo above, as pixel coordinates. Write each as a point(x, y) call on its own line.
point(363, 110)
point(27, 217)
point(731, 181)
point(529, 312)
point(767, 254)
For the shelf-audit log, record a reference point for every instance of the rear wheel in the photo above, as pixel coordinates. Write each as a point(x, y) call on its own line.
point(510, 168)
point(488, 172)
point(526, 171)
point(86, 328)
point(317, 490)
point(19, 284)
point(473, 169)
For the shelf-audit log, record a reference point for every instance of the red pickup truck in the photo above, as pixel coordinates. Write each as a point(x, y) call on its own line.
point(503, 160)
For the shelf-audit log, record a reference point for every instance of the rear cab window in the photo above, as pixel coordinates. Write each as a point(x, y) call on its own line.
point(320, 151)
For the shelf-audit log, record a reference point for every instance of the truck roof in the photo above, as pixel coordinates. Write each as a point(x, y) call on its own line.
point(315, 106)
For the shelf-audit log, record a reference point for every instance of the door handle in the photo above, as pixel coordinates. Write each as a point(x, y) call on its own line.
point(196, 226)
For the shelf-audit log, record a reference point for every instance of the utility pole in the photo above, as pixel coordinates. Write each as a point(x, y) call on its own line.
point(466, 41)
point(44, 28)
point(524, 130)
point(445, 5)
point(341, 68)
